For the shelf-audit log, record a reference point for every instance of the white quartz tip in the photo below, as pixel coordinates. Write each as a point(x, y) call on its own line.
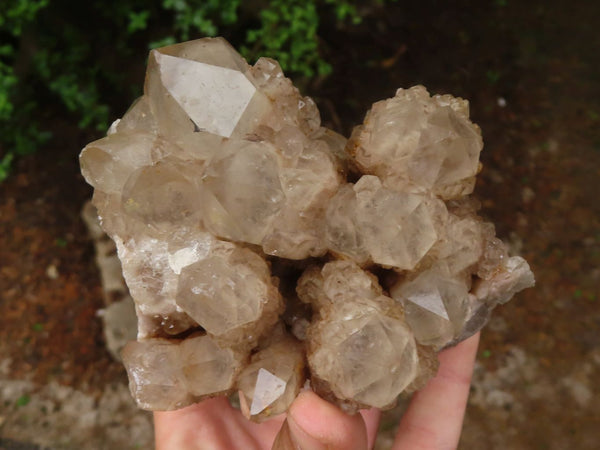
point(268, 389)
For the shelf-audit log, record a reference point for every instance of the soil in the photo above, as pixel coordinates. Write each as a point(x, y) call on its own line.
point(530, 70)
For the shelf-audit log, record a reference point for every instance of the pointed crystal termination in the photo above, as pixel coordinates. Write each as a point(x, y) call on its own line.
point(273, 378)
point(267, 390)
point(436, 305)
point(217, 104)
point(200, 88)
point(265, 252)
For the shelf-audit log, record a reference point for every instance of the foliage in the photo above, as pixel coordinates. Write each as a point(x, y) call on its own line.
point(14, 17)
point(289, 34)
point(52, 59)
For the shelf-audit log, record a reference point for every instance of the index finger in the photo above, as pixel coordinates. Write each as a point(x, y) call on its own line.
point(435, 415)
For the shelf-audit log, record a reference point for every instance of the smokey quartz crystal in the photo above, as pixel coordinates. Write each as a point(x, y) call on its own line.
point(267, 254)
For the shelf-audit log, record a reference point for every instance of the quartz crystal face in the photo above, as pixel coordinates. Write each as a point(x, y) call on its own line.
point(387, 227)
point(266, 253)
point(271, 381)
point(167, 374)
point(359, 345)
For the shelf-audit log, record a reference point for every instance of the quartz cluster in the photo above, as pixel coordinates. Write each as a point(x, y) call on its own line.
point(266, 253)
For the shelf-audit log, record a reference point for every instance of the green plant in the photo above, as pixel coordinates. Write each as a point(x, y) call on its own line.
point(289, 34)
point(14, 17)
point(23, 400)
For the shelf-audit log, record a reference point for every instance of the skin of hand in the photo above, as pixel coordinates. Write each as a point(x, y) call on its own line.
point(433, 419)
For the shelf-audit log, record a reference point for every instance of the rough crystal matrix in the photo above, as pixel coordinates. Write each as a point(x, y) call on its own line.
point(256, 265)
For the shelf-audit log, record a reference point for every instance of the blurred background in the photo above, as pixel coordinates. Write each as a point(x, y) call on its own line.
point(531, 71)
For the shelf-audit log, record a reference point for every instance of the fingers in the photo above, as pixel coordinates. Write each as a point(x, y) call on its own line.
point(315, 424)
point(435, 415)
point(312, 424)
point(186, 427)
point(211, 424)
point(371, 417)
point(432, 421)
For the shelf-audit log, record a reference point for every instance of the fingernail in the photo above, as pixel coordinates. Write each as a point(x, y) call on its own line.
point(292, 437)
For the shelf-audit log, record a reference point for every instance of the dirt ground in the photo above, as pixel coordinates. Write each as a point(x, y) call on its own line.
point(531, 71)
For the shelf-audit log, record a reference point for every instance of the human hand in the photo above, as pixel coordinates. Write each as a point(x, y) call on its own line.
point(433, 419)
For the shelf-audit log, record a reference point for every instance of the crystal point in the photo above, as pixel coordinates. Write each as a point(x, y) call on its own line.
point(268, 388)
point(217, 103)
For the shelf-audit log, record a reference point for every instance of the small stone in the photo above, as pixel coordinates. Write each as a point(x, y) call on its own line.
point(52, 272)
point(119, 321)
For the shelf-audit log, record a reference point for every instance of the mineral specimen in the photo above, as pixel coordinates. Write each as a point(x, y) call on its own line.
point(265, 253)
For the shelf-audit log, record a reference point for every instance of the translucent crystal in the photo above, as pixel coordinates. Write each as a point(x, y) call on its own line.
point(308, 183)
point(461, 245)
point(288, 107)
point(155, 378)
point(208, 369)
point(107, 162)
point(344, 355)
point(343, 234)
point(162, 192)
point(436, 305)
point(359, 349)
point(215, 105)
point(510, 278)
point(417, 143)
point(230, 294)
point(390, 228)
point(167, 375)
point(272, 380)
point(138, 117)
point(242, 191)
point(263, 250)
point(267, 390)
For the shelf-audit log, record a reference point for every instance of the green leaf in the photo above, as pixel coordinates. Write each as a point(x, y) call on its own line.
point(60, 242)
point(168, 40)
point(137, 21)
point(5, 166)
point(23, 400)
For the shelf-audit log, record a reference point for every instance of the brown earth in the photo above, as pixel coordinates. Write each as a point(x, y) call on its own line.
point(532, 73)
